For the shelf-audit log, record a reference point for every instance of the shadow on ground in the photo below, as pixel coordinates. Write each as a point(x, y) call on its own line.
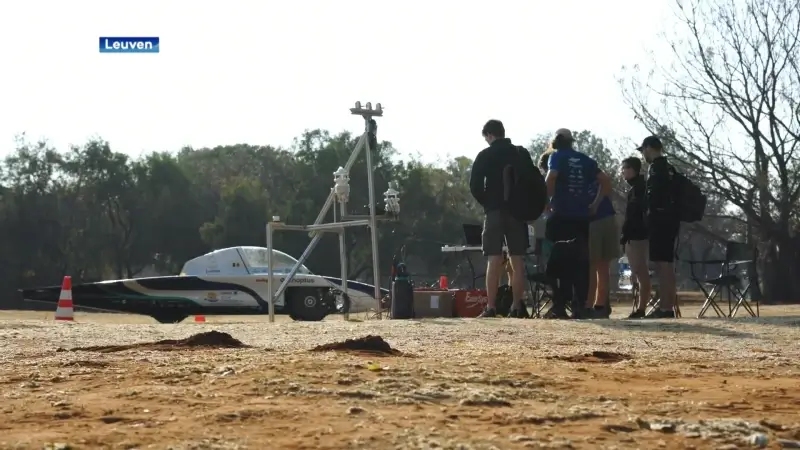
point(672, 326)
point(776, 321)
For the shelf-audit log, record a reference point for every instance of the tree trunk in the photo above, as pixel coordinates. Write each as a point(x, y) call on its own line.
point(781, 272)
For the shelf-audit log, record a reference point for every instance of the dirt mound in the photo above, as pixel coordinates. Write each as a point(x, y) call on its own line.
point(210, 339)
point(596, 357)
point(367, 344)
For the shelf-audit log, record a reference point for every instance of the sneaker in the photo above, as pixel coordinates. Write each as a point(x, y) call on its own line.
point(519, 313)
point(582, 313)
point(556, 313)
point(487, 312)
point(638, 314)
point(599, 312)
point(661, 314)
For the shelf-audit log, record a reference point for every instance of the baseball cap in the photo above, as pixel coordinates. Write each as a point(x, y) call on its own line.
point(652, 142)
point(565, 133)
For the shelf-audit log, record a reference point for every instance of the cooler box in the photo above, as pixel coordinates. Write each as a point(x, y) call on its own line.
point(433, 303)
point(469, 302)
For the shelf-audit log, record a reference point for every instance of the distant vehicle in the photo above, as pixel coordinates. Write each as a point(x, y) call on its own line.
point(229, 281)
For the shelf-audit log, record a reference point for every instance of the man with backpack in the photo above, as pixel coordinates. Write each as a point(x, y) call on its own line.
point(663, 222)
point(504, 182)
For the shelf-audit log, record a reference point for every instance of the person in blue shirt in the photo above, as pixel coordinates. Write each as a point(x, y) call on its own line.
point(571, 180)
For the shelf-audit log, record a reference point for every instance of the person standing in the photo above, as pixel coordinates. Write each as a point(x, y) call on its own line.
point(603, 248)
point(570, 179)
point(633, 239)
point(489, 186)
point(663, 222)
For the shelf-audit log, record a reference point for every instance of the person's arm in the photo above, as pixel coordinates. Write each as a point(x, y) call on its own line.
point(604, 182)
point(626, 224)
point(552, 173)
point(477, 178)
point(658, 194)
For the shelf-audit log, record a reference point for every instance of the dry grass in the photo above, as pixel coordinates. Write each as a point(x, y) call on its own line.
point(468, 384)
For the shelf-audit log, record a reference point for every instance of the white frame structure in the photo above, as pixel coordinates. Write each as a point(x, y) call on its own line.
point(343, 221)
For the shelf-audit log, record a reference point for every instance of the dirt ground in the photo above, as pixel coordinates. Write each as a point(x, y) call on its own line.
point(458, 384)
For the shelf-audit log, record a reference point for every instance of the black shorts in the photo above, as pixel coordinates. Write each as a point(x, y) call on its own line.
point(662, 243)
point(501, 228)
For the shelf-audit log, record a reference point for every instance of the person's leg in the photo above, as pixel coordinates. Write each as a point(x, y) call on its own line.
point(637, 252)
point(595, 257)
point(667, 285)
point(516, 234)
point(662, 254)
point(580, 281)
point(602, 269)
point(609, 251)
point(492, 246)
point(559, 266)
point(580, 286)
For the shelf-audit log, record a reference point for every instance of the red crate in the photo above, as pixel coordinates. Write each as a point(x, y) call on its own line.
point(469, 302)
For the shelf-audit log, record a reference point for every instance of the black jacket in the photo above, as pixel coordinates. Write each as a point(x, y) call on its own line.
point(486, 178)
point(635, 228)
point(659, 194)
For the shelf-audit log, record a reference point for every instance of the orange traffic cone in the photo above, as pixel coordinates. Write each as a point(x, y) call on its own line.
point(64, 309)
point(200, 319)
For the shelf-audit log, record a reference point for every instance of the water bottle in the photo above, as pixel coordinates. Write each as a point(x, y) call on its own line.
point(625, 277)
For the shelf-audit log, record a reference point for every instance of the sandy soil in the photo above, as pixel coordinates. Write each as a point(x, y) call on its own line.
point(460, 384)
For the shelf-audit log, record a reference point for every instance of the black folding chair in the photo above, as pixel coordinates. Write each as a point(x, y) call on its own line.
point(541, 285)
point(739, 262)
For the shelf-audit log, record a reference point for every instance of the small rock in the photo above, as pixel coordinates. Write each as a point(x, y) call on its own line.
point(353, 410)
point(522, 438)
point(662, 427)
point(771, 425)
point(786, 443)
point(759, 440)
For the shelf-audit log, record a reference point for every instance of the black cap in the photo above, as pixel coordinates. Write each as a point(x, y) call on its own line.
point(652, 142)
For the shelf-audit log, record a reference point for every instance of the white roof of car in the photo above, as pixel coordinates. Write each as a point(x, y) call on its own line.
point(240, 260)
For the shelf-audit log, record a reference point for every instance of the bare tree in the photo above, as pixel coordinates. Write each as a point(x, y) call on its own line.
point(729, 106)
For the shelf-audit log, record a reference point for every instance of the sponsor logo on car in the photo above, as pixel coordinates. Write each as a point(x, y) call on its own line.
point(282, 279)
point(300, 280)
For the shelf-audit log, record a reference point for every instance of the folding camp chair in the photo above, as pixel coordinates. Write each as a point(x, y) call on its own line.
point(538, 284)
point(543, 286)
point(739, 262)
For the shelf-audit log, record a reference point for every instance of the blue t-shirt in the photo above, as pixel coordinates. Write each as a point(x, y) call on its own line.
point(605, 208)
point(577, 173)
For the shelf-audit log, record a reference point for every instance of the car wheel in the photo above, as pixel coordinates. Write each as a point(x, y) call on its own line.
point(306, 304)
point(169, 317)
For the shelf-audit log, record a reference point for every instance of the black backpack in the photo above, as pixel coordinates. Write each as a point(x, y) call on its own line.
point(525, 192)
point(504, 300)
point(690, 201)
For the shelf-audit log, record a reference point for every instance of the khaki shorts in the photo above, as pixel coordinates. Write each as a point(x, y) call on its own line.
point(604, 239)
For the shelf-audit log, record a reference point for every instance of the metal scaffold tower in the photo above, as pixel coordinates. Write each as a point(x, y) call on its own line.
point(340, 193)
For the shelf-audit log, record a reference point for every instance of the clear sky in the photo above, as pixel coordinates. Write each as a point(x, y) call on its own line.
point(260, 72)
